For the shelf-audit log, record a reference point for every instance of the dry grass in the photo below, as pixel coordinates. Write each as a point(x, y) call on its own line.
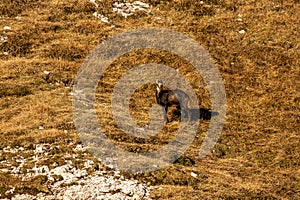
point(258, 154)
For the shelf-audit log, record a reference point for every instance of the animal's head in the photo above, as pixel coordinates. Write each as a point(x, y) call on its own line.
point(159, 84)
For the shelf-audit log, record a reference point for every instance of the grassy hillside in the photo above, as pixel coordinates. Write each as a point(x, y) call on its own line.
point(254, 44)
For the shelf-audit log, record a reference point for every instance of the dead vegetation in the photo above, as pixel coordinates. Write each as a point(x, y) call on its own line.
point(255, 45)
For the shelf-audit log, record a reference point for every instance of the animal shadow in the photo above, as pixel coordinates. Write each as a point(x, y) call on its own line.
point(205, 114)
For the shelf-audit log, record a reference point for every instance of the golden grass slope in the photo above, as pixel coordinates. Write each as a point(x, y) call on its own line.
point(255, 45)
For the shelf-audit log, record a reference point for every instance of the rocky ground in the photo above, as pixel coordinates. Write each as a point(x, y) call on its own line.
point(68, 181)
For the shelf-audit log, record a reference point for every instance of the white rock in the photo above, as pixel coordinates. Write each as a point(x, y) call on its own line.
point(101, 17)
point(78, 91)
point(15, 170)
point(99, 185)
point(79, 148)
point(23, 197)
point(39, 148)
point(10, 191)
point(46, 72)
point(21, 149)
point(126, 9)
point(80, 173)
point(3, 39)
point(142, 4)
point(5, 170)
point(194, 174)
point(94, 2)
point(7, 28)
point(104, 19)
point(41, 170)
point(88, 164)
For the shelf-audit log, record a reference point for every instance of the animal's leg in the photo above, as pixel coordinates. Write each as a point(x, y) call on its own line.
point(186, 112)
point(166, 114)
point(178, 107)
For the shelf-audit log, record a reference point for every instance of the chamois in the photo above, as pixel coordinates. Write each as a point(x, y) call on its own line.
point(167, 98)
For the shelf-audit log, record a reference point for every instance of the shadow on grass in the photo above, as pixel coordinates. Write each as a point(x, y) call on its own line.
point(205, 114)
point(185, 161)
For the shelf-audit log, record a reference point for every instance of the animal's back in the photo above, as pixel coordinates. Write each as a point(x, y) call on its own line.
point(181, 95)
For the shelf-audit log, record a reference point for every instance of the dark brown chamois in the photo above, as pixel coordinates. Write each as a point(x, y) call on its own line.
point(167, 98)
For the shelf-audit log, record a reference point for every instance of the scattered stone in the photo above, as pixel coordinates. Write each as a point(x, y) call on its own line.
point(7, 28)
point(39, 148)
point(95, 3)
point(194, 174)
point(41, 170)
point(46, 72)
point(88, 164)
point(3, 39)
point(68, 181)
point(239, 18)
point(126, 9)
point(101, 17)
point(79, 147)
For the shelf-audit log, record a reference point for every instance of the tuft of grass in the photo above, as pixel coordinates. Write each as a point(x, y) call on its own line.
point(19, 44)
point(66, 51)
point(14, 90)
point(14, 8)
